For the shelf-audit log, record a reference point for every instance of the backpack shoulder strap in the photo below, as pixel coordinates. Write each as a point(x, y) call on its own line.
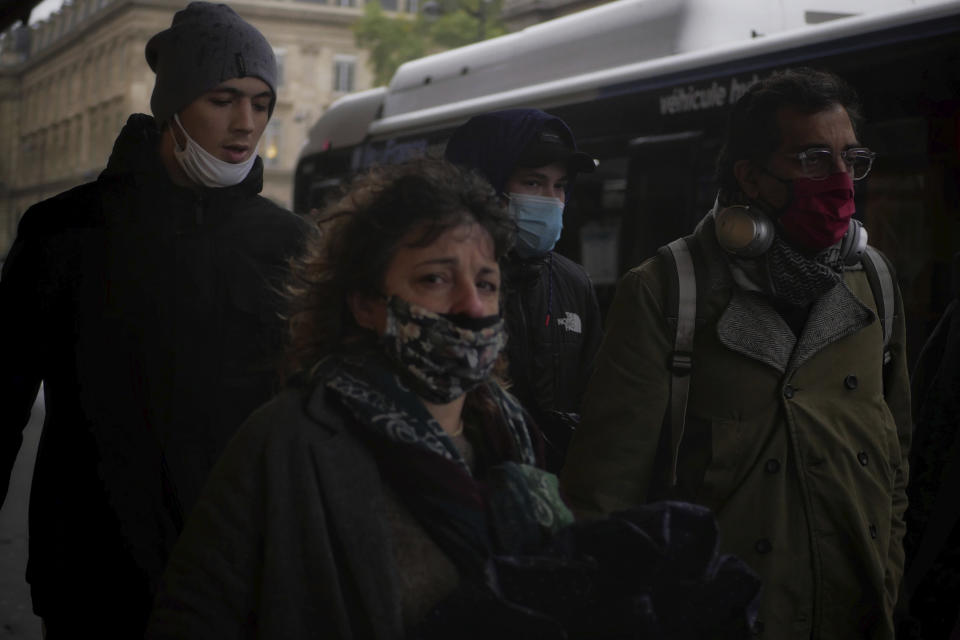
point(681, 304)
point(880, 278)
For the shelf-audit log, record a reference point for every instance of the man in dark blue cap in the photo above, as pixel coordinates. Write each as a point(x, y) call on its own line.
point(553, 319)
point(145, 302)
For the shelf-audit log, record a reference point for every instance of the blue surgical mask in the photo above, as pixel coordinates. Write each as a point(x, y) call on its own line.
point(539, 221)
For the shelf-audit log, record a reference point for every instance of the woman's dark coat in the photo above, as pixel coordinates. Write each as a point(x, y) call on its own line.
point(288, 539)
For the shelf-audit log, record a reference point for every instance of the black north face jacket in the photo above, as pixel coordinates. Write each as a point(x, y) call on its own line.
point(555, 329)
point(151, 315)
point(551, 309)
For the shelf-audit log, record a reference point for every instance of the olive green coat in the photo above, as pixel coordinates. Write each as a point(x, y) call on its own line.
point(797, 445)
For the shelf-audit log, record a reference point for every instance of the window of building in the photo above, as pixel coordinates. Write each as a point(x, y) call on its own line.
point(413, 6)
point(110, 64)
point(343, 71)
point(44, 154)
point(66, 151)
point(63, 94)
point(77, 157)
point(53, 145)
point(389, 5)
point(93, 143)
point(66, 140)
point(271, 143)
point(346, 3)
point(47, 102)
point(84, 77)
point(35, 157)
point(28, 113)
point(122, 58)
point(66, 145)
point(280, 53)
point(26, 165)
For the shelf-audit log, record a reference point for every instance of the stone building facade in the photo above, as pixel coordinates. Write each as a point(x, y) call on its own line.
point(68, 84)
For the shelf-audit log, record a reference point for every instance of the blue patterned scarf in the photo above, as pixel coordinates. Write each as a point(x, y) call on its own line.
point(506, 505)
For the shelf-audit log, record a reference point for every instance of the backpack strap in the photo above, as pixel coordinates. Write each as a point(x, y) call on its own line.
point(880, 277)
point(683, 300)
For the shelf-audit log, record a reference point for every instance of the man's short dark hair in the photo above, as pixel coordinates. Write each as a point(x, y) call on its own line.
point(753, 132)
point(359, 235)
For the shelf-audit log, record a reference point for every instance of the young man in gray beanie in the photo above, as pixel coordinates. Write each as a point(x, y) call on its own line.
point(146, 302)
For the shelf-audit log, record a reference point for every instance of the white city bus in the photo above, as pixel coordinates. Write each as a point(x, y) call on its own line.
point(654, 122)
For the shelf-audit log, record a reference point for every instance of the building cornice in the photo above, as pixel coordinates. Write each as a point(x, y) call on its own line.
point(283, 10)
point(52, 186)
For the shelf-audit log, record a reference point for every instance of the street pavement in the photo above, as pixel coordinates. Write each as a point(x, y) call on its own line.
point(17, 621)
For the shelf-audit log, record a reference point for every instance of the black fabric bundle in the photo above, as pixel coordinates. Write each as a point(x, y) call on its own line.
point(652, 572)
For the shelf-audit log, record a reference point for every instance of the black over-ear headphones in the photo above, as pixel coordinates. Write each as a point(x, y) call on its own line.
point(748, 233)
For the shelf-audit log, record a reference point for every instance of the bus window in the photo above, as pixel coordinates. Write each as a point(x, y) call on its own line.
point(666, 193)
point(324, 193)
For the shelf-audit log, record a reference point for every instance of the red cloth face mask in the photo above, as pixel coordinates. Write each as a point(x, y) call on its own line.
point(819, 211)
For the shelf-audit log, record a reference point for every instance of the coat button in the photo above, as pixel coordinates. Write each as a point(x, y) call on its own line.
point(873, 531)
point(862, 458)
point(850, 382)
point(772, 465)
point(763, 546)
point(788, 392)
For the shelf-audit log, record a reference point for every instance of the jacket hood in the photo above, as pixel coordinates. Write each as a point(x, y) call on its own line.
point(519, 268)
point(136, 155)
point(492, 142)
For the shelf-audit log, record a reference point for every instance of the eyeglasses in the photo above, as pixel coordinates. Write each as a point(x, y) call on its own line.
point(818, 164)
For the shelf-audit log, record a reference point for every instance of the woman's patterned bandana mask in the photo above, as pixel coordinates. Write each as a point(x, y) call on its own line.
point(441, 357)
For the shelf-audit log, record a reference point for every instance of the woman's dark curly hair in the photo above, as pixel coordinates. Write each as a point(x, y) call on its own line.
point(358, 237)
point(753, 132)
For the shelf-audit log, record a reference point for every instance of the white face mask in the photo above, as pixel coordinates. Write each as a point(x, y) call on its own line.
point(206, 169)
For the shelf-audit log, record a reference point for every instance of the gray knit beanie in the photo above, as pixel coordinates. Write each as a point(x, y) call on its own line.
point(207, 44)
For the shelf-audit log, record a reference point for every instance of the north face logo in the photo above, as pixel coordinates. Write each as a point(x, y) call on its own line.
point(571, 322)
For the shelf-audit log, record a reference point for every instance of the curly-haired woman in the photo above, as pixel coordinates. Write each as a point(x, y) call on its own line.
point(395, 488)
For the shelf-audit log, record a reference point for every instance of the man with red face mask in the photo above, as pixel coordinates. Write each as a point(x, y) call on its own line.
point(797, 418)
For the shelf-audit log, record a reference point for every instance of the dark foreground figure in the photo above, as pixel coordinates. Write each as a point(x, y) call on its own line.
point(145, 302)
point(931, 597)
point(396, 490)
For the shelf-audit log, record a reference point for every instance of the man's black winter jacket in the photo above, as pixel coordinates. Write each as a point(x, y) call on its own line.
point(150, 313)
point(554, 328)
